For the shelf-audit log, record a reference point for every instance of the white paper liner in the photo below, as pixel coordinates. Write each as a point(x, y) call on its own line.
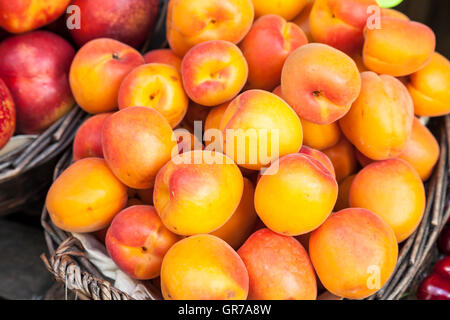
point(97, 254)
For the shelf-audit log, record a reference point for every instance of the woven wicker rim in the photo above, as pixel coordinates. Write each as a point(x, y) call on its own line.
point(69, 264)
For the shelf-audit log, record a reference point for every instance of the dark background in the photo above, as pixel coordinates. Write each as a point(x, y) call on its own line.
point(436, 15)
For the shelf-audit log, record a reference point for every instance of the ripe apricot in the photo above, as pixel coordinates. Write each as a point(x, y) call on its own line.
point(340, 23)
point(430, 87)
point(266, 47)
point(190, 22)
point(137, 142)
point(380, 121)
point(137, 241)
point(197, 192)
point(97, 71)
point(421, 150)
point(354, 253)
point(393, 190)
point(398, 47)
point(213, 72)
point(278, 268)
point(320, 82)
point(203, 267)
point(157, 86)
point(258, 127)
point(85, 197)
point(306, 189)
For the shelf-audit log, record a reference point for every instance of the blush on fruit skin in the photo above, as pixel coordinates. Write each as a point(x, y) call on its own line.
point(137, 241)
point(97, 71)
point(21, 16)
point(340, 23)
point(35, 67)
point(351, 249)
point(278, 267)
point(267, 46)
point(7, 114)
point(128, 21)
point(88, 139)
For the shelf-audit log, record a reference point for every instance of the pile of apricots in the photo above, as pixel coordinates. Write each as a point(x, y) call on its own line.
point(343, 86)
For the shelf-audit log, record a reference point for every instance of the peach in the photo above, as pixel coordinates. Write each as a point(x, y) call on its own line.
point(306, 189)
point(319, 156)
point(287, 9)
point(393, 190)
point(137, 241)
point(320, 83)
point(137, 142)
point(165, 56)
point(203, 267)
point(380, 121)
point(267, 46)
point(278, 268)
point(343, 193)
point(128, 21)
point(317, 136)
point(354, 253)
point(197, 192)
point(421, 150)
point(88, 139)
point(398, 47)
point(85, 197)
point(340, 23)
point(7, 114)
point(190, 22)
point(157, 86)
point(239, 227)
point(302, 20)
point(213, 72)
point(97, 71)
point(20, 16)
point(35, 68)
point(258, 127)
point(342, 155)
point(430, 87)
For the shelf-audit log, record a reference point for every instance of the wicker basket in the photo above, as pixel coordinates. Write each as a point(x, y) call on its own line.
point(69, 264)
point(25, 172)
